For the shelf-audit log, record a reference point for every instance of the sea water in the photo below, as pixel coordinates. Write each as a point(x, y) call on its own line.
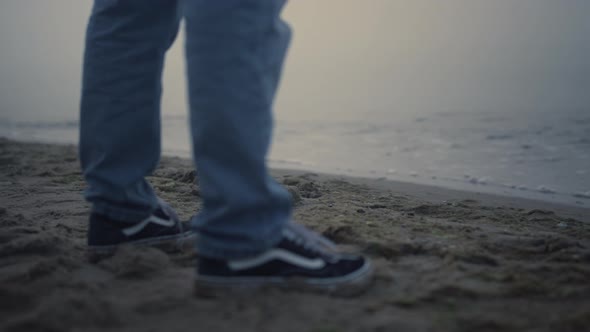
point(475, 95)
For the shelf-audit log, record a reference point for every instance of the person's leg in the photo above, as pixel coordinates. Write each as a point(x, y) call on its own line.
point(235, 51)
point(120, 109)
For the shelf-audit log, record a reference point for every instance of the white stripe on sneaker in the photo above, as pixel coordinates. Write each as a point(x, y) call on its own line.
point(151, 219)
point(281, 254)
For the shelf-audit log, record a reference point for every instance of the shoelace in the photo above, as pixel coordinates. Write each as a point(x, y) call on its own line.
point(169, 211)
point(310, 239)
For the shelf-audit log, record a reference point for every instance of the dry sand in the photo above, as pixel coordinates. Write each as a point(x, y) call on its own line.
point(447, 261)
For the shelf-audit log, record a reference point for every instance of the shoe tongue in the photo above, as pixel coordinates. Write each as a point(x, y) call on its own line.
point(294, 246)
point(295, 231)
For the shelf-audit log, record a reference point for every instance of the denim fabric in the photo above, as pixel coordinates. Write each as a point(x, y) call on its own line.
point(235, 51)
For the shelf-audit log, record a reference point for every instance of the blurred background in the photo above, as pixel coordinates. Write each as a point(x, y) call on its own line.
point(491, 96)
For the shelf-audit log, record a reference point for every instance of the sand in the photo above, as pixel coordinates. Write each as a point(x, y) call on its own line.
point(446, 260)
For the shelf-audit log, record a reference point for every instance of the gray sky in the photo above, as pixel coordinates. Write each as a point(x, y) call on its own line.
point(349, 57)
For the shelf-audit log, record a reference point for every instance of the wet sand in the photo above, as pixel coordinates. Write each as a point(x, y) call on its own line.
point(446, 260)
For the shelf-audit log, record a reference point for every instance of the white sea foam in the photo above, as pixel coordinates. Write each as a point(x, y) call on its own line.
point(545, 190)
point(480, 181)
point(585, 195)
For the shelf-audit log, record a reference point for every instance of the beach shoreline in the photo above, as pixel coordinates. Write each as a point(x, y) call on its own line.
point(440, 194)
point(446, 260)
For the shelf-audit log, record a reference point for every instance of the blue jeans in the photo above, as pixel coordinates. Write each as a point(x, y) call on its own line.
point(235, 51)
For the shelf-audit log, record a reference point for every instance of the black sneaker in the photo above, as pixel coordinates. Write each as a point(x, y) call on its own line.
point(162, 229)
point(303, 260)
